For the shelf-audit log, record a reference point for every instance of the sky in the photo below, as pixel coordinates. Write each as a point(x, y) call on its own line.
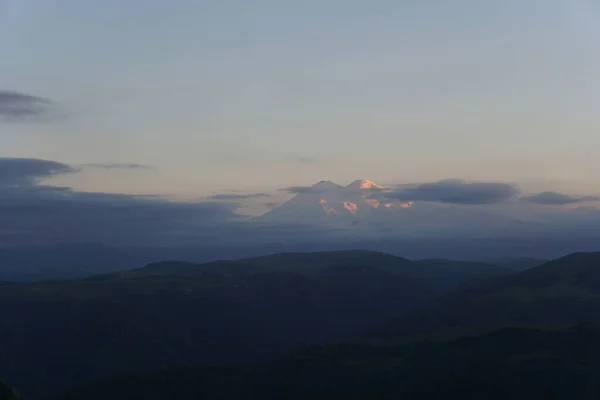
point(187, 98)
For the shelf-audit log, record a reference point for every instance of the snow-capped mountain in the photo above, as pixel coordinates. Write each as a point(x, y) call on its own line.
point(327, 201)
point(363, 184)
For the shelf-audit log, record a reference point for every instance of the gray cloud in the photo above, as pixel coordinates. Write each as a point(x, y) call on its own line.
point(53, 217)
point(235, 196)
point(37, 213)
point(117, 166)
point(555, 198)
point(307, 160)
point(27, 170)
point(32, 212)
point(16, 105)
point(454, 192)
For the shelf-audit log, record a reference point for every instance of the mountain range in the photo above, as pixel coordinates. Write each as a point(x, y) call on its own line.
point(350, 324)
point(558, 292)
point(523, 335)
point(58, 333)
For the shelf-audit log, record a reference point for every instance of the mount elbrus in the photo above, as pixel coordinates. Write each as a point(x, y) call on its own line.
point(326, 200)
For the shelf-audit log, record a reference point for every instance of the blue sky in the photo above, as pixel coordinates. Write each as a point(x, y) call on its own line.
point(258, 95)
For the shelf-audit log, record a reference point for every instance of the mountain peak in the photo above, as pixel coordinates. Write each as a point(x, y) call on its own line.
point(327, 201)
point(364, 184)
point(326, 184)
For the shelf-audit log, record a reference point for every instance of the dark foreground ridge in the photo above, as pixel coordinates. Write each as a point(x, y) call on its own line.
point(562, 291)
point(240, 316)
point(8, 393)
point(58, 333)
point(510, 363)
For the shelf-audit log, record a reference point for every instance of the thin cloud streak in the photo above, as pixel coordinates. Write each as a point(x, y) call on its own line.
point(20, 106)
point(234, 196)
point(117, 166)
point(555, 198)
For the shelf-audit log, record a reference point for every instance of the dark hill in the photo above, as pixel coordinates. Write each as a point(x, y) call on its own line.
point(566, 290)
point(511, 363)
point(439, 274)
point(7, 393)
point(519, 264)
point(59, 332)
point(177, 313)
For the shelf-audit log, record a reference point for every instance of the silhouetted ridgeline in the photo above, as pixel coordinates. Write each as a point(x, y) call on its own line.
point(562, 291)
point(58, 333)
point(79, 260)
point(61, 334)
